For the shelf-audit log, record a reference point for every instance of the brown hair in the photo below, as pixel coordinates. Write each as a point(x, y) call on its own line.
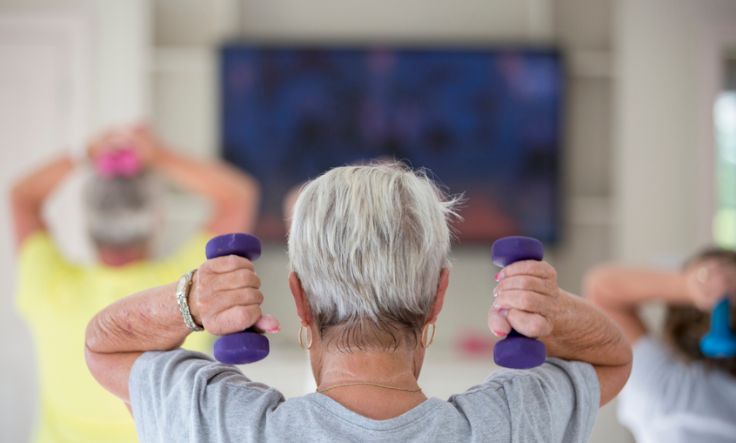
point(685, 325)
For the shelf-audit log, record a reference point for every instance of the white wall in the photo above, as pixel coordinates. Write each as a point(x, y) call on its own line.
point(668, 74)
point(68, 69)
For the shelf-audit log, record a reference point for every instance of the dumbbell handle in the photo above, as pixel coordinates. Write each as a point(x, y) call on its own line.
point(247, 346)
point(517, 351)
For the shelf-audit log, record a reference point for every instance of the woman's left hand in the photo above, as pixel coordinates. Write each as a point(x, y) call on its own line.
point(527, 299)
point(146, 143)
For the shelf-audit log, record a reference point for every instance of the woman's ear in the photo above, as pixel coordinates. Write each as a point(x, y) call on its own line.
point(439, 299)
point(300, 300)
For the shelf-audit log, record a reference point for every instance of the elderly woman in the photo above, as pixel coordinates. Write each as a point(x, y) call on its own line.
point(58, 297)
point(369, 248)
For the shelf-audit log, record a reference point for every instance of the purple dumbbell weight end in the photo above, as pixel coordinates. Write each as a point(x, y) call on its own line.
point(248, 346)
point(509, 250)
point(243, 245)
point(241, 348)
point(517, 351)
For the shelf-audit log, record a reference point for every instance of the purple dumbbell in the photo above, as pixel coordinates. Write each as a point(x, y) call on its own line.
point(517, 351)
point(247, 346)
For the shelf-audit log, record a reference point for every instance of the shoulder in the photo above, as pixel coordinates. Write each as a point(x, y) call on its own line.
point(655, 363)
point(182, 393)
point(556, 377)
point(181, 367)
point(559, 398)
point(663, 387)
point(39, 246)
point(41, 266)
point(657, 378)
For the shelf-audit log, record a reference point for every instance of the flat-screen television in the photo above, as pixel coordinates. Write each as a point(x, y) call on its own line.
point(486, 122)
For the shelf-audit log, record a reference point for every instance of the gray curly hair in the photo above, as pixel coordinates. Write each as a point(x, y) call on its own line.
point(120, 211)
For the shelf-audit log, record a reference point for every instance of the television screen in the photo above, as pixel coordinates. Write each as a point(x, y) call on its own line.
point(485, 121)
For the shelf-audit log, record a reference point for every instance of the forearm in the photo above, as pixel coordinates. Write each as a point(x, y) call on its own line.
point(118, 335)
point(37, 185)
point(584, 333)
point(620, 291)
point(233, 194)
point(529, 300)
point(225, 297)
point(626, 288)
point(30, 192)
point(147, 321)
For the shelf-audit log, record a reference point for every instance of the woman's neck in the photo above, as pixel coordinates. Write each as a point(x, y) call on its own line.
point(375, 384)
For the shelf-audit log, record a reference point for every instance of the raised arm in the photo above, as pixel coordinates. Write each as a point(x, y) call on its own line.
point(225, 298)
point(619, 291)
point(27, 196)
point(529, 300)
point(234, 195)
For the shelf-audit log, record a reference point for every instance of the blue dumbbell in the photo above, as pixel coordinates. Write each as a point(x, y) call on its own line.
point(720, 341)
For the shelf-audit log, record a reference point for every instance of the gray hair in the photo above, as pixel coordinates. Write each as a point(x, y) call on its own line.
point(368, 244)
point(120, 211)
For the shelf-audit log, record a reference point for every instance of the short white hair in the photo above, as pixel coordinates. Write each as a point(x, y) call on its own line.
point(368, 244)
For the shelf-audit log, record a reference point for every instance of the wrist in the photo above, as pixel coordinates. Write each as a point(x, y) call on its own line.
point(160, 156)
point(183, 290)
point(157, 157)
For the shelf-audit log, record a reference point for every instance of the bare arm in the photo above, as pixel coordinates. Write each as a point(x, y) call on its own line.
point(147, 321)
point(29, 194)
point(529, 300)
point(234, 195)
point(619, 291)
point(586, 334)
point(225, 298)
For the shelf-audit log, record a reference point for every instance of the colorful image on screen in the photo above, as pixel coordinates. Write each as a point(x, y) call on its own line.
point(485, 122)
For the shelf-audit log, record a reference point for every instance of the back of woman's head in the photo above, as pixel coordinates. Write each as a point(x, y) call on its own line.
point(368, 244)
point(686, 325)
point(120, 211)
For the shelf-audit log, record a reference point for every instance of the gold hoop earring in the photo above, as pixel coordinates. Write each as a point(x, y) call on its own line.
point(425, 342)
point(300, 337)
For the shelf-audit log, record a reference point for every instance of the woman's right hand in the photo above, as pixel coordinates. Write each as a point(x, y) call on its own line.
point(527, 299)
point(708, 281)
point(226, 298)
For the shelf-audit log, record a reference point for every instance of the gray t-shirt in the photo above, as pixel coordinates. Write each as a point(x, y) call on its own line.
point(182, 396)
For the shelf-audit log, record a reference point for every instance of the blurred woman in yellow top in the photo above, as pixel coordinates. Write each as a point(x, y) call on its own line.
point(58, 298)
